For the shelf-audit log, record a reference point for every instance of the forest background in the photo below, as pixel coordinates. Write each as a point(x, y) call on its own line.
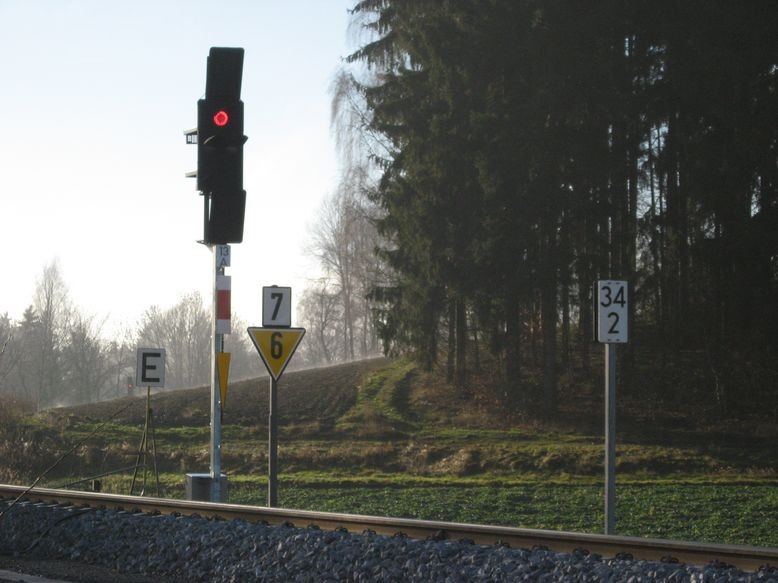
point(497, 161)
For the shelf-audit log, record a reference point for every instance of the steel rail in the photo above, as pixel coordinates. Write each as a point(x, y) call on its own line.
point(748, 558)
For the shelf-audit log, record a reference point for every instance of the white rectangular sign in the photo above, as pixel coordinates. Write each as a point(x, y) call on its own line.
point(612, 312)
point(276, 306)
point(150, 370)
point(223, 255)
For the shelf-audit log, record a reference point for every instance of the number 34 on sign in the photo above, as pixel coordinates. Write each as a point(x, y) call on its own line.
point(612, 312)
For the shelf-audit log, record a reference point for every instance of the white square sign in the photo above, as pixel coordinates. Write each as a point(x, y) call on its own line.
point(612, 312)
point(150, 369)
point(276, 306)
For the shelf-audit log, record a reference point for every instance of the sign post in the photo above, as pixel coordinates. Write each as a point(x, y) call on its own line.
point(275, 342)
point(221, 326)
point(612, 329)
point(149, 371)
point(213, 485)
point(219, 139)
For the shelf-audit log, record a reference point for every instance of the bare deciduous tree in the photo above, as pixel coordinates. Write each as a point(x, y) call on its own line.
point(84, 359)
point(9, 353)
point(319, 309)
point(343, 242)
point(121, 354)
point(184, 331)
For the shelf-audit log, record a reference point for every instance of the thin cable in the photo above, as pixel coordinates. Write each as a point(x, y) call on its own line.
point(64, 455)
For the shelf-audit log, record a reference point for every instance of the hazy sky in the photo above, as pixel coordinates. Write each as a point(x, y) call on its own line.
point(94, 99)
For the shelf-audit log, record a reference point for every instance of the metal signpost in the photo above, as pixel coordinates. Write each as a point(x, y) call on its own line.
point(219, 139)
point(276, 343)
point(612, 329)
point(220, 327)
point(149, 371)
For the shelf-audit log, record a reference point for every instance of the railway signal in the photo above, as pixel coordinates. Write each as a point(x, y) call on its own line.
point(220, 142)
point(275, 344)
point(150, 367)
point(223, 369)
point(611, 300)
point(149, 371)
point(276, 306)
point(612, 313)
point(219, 138)
point(276, 347)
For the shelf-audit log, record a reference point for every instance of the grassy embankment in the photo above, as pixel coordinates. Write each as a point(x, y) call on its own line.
point(383, 438)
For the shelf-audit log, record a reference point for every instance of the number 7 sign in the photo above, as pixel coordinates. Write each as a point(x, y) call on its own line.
point(276, 306)
point(612, 312)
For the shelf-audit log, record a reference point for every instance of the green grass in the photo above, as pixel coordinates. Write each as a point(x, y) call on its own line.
point(730, 514)
point(378, 403)
point(710, 513)
point(117, 432)
point(389, 440)
point(724, 513)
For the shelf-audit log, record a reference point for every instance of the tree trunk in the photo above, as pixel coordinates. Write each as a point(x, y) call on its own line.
point(565, 320)
point(461, 352)
point(548, 308)
point(512, 348)
point(452, 318)
point(549, 321)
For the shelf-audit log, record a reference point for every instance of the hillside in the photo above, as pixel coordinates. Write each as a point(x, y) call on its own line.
point(311, 395)
point(383, 437)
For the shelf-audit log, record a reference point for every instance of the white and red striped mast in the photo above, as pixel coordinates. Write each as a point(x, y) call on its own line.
point(221, 325)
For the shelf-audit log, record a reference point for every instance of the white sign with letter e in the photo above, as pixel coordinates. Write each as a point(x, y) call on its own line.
point(150, 370)
point(612, 312)
point(276, 306)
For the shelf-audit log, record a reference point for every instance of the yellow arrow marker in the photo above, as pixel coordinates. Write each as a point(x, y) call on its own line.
point(223, 369)
point(276, 346)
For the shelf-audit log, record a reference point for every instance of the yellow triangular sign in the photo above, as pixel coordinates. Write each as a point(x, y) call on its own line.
point(223, 368)
point(276, 346)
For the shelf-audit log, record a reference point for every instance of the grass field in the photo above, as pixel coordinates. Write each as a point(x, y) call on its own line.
point(380, 437)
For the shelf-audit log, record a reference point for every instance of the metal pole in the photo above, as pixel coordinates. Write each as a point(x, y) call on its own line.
point(272, 463)
point(141, 446)
point(216, 421)
point(610, 439)
point(154, 447)
point(146, 439)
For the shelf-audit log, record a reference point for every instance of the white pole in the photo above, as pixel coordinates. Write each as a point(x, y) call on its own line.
point(272, 458)
point(610, 439)
point(216, 405)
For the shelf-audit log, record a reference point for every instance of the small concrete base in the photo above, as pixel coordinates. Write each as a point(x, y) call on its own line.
point(199, 487)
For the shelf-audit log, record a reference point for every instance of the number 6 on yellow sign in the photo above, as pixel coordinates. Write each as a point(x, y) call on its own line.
point(276, 346)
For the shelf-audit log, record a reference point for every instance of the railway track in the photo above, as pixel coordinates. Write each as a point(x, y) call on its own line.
point(748, 558)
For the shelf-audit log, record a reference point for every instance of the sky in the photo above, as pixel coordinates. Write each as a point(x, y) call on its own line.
point(95, 97)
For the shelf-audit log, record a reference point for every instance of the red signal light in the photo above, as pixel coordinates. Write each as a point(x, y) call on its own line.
point(221, 118)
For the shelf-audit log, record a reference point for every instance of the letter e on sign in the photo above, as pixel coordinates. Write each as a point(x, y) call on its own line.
point(612, 312)
point(150, 369)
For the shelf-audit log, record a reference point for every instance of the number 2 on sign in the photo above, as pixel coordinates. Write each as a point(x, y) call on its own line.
point(613, 329)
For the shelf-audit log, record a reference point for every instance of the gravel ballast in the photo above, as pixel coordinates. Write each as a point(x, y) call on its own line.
point(196, 549)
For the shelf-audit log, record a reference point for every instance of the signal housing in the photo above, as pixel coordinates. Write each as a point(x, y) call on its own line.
point(220, 142)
